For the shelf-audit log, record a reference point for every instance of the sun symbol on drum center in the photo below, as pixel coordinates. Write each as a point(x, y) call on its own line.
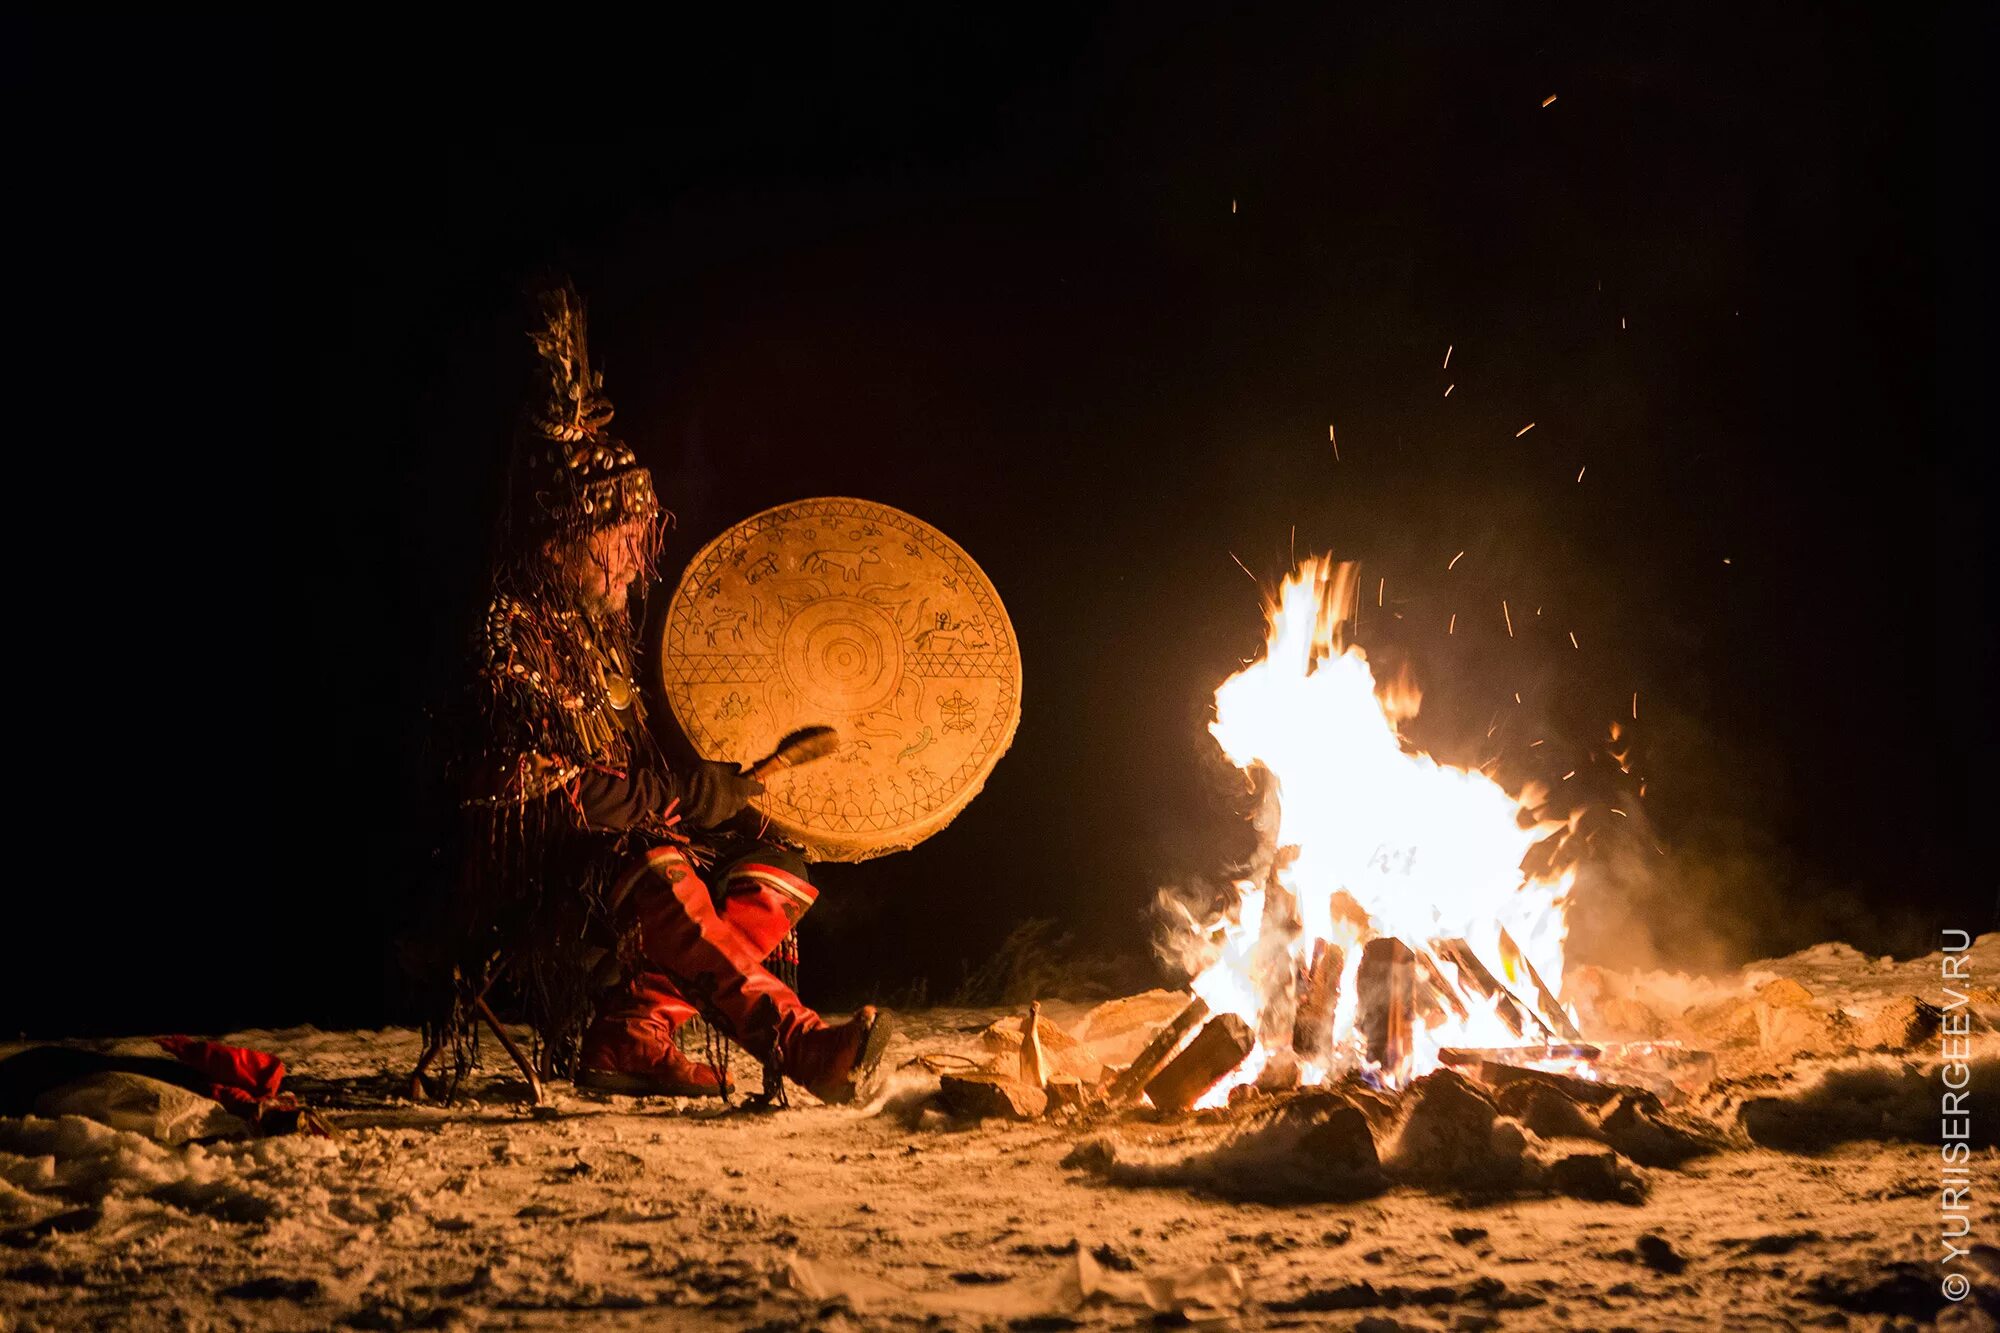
point(957, 711)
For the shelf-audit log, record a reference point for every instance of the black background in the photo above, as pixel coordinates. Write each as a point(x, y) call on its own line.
point(1085, 293)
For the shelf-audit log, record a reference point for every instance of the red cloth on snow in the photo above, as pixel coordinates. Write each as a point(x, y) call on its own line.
point(242, 1079)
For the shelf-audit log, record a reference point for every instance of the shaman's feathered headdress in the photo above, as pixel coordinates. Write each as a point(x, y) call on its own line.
point(571, 476)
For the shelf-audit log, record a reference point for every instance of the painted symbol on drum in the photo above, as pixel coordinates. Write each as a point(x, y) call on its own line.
point(958, 711)
point(848, 564)
point(842, 655)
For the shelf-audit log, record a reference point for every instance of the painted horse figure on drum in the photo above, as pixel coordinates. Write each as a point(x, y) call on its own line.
point(590, 866)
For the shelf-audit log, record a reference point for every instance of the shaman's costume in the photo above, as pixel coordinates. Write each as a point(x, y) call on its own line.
point(584, 886)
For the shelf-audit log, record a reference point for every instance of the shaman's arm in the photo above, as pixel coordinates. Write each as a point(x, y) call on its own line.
point(706, 796)
point(613, 802)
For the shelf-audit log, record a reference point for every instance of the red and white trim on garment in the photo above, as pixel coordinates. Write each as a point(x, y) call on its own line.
point(667, 861)
point(795, 894)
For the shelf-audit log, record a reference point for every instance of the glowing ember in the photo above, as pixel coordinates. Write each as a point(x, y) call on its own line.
point(1374, 840)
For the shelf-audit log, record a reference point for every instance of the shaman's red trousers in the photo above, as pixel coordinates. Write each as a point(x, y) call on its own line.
point(702, 956)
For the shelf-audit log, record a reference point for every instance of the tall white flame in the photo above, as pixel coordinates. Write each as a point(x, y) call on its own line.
point(1379, 840)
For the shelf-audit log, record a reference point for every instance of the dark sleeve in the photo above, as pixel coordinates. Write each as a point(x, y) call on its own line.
point(613, 804)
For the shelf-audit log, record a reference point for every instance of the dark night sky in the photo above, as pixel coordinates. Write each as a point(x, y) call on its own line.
point(989, 272)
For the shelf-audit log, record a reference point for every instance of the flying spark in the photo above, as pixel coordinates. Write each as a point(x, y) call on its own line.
point(1384, 583)
point(1510, 618)
point(1452, 628)
point(1454, 560)
point(1573, 643)
point(1448, 388)
point(1524, 430)
point(1579, 474)
point(1335, 443)
point(1635, 705)
point(1447, 354)
point(1547, 100)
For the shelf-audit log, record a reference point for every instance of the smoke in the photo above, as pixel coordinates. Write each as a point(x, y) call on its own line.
point(1722, 893)
point(1184, 916)
point(1179, 916)
point(1704, 875)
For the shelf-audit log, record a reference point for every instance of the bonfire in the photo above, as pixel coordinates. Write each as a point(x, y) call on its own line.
point(1396, 924)
point(1402, 917)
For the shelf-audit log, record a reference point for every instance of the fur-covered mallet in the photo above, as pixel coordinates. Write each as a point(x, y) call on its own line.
point(798, 747)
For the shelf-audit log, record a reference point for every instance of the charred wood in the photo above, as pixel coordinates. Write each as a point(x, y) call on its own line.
point(1318, 996)
point(1460, 955)
point(1385, 986)
point(1545, 999)
point(1469, 1057)
point(1441, 986)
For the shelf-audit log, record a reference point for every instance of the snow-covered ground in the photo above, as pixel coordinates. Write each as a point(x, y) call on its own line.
point(617, 1212)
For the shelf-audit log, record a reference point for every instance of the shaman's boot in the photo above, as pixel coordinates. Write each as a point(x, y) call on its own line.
point(630, 1048)
point(836, 1063)
point(719, 968)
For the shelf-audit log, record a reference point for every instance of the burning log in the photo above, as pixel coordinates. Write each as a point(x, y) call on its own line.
point(1396, 988)
point(1386, 1001)
point(1128, 1085)
point(1585, 1092)
point(1469, 1057)
point(1318, 995)
point(1460, 955)
point(1279, 1074)
point(1666, 1067)
point(1221, 1046)
point(1441, 987)
point(1545, 999)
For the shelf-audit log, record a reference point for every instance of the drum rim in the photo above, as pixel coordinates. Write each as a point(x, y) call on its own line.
point(820, 845)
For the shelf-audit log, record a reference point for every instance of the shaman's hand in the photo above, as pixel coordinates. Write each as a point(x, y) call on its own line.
point(717, 792)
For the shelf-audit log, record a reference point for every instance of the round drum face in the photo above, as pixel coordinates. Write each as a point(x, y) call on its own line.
point(858, 616)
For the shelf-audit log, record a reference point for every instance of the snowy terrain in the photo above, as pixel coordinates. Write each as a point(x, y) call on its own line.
point(618, 1212)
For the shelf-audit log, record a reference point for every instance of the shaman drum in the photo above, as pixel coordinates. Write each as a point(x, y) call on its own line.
point(854, 615)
